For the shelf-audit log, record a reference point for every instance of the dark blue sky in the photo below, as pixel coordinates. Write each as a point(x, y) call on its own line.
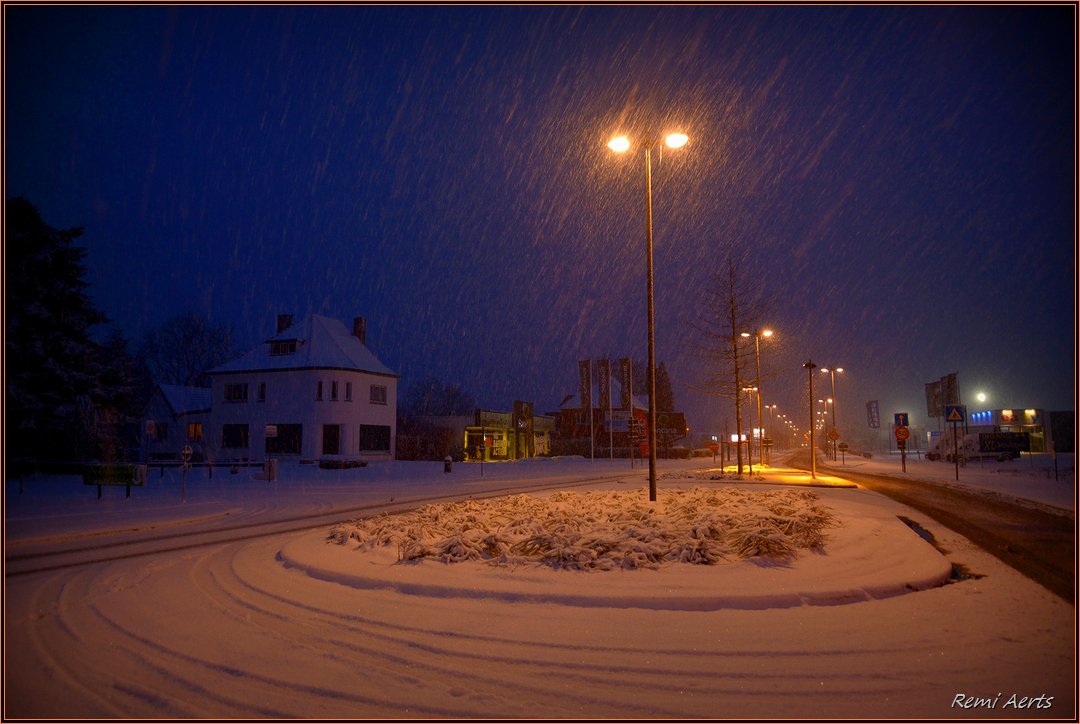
point(900, 180)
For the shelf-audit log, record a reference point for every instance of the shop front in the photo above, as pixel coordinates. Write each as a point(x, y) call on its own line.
point(501, 436)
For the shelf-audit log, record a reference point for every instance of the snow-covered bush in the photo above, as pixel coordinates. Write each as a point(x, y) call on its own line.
point(601, 530)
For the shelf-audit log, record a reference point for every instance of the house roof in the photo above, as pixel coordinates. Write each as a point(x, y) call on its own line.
point(321, 342)
point(184, 400)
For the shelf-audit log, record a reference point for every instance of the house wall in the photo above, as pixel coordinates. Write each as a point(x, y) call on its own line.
point(171, 432)
point(291, 398)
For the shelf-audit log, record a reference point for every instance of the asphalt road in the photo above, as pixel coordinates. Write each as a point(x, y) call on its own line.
point(1037, 543)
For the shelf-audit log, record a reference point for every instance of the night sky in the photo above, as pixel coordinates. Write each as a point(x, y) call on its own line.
point(899, 181)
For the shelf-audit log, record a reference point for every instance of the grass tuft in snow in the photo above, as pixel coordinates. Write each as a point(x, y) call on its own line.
point(601, 530)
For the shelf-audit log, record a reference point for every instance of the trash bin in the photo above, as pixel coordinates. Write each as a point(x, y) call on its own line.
point(448, 464)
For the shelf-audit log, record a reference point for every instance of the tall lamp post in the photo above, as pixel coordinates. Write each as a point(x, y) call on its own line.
point(766, 333)
point(621, 144)
point(810, 376)
point(832, 374)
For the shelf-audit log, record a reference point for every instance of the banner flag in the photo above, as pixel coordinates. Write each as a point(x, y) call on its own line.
point(603, 372)
point(585, 383)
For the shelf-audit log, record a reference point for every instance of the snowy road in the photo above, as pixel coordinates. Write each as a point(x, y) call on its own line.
point(225, 630)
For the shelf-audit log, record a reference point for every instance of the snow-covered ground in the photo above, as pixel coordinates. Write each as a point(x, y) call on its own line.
point(294, 625)
point(1039, 478)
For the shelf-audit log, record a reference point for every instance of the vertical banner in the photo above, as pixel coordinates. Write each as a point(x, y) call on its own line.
point(950, 390)
point(933, 399)
point(603, 372)
point(873, 418)
point(585, 383)
point(625, 380)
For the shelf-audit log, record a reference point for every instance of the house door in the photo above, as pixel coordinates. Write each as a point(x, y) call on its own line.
point(331, 439)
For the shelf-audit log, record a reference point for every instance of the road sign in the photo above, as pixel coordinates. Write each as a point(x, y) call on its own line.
point(900, 419)
point(271, 431)
point(714, 446)
point(955, 413)
point(834, 435)
point(842, 447)
point(902, 434)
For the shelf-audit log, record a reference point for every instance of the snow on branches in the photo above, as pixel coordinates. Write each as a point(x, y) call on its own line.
point(601, 530)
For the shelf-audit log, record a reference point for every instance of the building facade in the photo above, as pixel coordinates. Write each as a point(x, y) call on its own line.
point(312, 391)
point(176, 416)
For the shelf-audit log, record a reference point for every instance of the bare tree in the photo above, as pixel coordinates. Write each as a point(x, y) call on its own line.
point(184, 347)
point(732, 307)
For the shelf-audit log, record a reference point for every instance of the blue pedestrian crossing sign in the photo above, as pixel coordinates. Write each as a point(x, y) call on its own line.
point(955, 413)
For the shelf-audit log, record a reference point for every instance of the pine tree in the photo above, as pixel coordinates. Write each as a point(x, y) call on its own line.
point(50, 355)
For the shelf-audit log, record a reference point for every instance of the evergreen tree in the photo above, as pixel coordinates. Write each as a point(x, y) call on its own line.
point(50, 355)
point(122, 388)
point(665, 394)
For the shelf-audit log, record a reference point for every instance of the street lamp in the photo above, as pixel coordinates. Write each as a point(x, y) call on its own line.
point(810, 376)
point(832, 374)
point(621, 144)
point(766, 333)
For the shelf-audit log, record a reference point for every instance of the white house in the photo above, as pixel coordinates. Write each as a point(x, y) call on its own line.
point(175, 416)
point(313, 390)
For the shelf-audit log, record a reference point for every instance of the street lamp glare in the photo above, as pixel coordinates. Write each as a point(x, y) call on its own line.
point(619, 144)
point(766, 333)
point(676, 140)
point(745, 334)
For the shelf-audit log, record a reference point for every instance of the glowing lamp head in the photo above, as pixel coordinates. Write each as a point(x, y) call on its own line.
point(619, 144)
point(766, 333)
point(676, 140)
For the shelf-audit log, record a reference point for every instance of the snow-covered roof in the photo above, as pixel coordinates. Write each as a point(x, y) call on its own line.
point(184, 399)
point(321, 342)
point(573, 402)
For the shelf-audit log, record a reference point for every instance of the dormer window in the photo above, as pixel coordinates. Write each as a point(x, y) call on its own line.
point(283, 346)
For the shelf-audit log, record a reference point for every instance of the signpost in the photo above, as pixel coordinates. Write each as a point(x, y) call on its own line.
point(955, 414)
point(902, 434)
point(185, 455)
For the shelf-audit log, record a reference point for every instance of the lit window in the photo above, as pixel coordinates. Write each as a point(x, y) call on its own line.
point(194, 431)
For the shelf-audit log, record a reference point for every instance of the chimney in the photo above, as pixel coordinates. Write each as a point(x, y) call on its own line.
point(284, 321)
point(359, 329)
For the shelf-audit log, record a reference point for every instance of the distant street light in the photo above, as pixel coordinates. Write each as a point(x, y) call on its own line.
point(621, 144)
point(810, 376)
point(832, 373)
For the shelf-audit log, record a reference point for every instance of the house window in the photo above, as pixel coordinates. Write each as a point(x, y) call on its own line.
point(378, 395)
point(194, 431)
point(234, 436)
point(161, 432)
point(236, 393)
point(348, 391)
point(288, 440)
point(285, 346)
point(374, 438)
point(331, 439)
point(333, 390)
point(262, 392)
point(318, 390)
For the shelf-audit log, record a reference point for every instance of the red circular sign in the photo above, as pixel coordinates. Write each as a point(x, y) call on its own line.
point(902, 433)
